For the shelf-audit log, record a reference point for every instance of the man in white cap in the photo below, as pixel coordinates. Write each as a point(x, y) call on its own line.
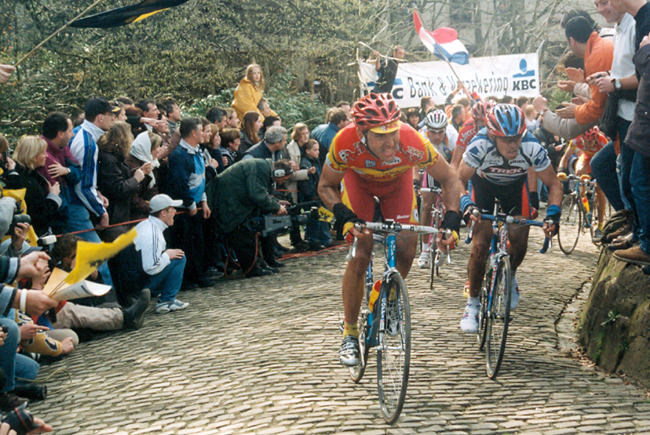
point(163, 267)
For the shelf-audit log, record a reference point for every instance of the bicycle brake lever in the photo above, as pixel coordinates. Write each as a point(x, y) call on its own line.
point(548, 243)
point(470, 233)
point(353, 250)
point(448, 255)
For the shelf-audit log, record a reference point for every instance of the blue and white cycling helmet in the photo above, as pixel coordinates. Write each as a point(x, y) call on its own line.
point(436, 120)
point(505, 120)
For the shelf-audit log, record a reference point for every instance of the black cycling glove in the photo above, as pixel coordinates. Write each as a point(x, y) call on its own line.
point(343, 215)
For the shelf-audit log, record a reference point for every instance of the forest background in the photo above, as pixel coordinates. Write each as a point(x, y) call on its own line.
point(197, 52)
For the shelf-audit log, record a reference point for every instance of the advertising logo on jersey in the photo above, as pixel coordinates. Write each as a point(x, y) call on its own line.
point(371, 164)
point(524, 80)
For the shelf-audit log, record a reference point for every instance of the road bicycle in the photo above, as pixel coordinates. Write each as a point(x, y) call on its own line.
point(387, 328)
point(494, 296)
point(579, 212)
point(437, 258)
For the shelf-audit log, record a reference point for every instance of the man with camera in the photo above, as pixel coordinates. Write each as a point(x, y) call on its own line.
point(240, 193)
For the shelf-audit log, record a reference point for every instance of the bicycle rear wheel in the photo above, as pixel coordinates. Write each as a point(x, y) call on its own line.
point(594, 219)
point(570, 223)
point(394, 352)
point(498, 318)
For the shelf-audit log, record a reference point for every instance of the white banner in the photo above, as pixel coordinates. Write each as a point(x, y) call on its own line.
point(513, 74)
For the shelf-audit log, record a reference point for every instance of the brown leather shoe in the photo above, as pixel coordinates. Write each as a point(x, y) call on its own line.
point(621, 232)
point(634, 255)
point(624, 242)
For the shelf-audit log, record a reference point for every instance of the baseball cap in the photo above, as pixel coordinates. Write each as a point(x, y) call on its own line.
point(388, 128)
point(162, 201)
point(96, 106)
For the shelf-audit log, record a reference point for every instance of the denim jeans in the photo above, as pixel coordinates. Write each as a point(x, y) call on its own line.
point(318, 232)
point(626, 159)
point(168, 282)
point(640, 181)
point(79, 220)
point(8, 351)
point(603, 170)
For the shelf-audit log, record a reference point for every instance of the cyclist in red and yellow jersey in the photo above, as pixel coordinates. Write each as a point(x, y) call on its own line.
point(375, 157)
point(586, 146)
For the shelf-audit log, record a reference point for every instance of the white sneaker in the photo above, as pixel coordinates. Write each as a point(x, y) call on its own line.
point(514, 294)
point(469, 321)
point(423, 261)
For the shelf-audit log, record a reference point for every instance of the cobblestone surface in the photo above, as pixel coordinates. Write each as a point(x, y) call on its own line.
point(259, 356)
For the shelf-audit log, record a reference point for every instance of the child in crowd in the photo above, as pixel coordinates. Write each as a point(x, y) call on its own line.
point(317, 232)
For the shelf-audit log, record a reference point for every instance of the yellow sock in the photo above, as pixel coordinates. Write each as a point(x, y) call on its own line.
point(350, 329)
point(600, 226)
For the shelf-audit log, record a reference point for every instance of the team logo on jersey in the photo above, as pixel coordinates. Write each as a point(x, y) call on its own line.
point(505, 171)
point(371, 164)
point(414, 155)
point(395, 161)
point(344, 155)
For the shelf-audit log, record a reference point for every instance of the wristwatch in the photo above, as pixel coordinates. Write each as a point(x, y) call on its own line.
point(617, 84)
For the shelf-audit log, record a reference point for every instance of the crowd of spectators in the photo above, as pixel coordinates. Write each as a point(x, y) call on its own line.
point(194, 188)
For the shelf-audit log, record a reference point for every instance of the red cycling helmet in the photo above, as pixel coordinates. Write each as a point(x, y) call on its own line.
point(376, 112)
point(481, 109)
point(591, 134)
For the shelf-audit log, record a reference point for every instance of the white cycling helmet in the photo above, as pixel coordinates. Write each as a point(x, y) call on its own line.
point(436, 120)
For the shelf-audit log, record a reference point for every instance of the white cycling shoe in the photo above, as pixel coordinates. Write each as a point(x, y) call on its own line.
point(469, 321)
point(423, 261)
point(514, 294)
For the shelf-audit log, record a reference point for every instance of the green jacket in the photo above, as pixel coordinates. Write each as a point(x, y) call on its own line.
point(241, 192)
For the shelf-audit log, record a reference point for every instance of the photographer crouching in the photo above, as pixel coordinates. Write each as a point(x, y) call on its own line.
point(240, 193)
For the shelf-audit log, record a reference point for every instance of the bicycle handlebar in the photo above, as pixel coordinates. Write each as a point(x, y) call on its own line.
point(512, 220)
point(431, 189)
point(396, 226)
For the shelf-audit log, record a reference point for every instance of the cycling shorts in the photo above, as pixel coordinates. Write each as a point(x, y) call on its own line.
point(513, 197)
point(396, 197)
point(584, 161)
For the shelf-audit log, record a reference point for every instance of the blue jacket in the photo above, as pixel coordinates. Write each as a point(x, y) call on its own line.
point(324, 134)
point(187, 175)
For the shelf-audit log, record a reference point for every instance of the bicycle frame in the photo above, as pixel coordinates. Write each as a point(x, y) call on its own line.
point(437, 211)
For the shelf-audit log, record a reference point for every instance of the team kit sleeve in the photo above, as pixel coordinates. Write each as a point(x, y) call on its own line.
point(334, 157)
point(536, 152)
point(475, 152)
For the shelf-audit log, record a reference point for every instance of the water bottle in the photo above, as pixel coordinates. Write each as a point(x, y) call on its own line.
point(374, 294)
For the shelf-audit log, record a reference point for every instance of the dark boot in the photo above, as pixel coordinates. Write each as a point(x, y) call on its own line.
point(134, 315)
point(31, 391)
point(9, 401)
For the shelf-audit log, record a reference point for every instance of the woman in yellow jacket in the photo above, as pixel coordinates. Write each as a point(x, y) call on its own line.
point(249, 92)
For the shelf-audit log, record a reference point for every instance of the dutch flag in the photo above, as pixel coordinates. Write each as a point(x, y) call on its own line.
point(442, 42)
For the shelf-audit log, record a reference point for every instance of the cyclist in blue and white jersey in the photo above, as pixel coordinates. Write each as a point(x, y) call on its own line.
point(497, 161)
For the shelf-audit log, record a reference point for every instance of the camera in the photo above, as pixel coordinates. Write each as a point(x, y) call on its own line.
point(17, 219)
point(20, 420)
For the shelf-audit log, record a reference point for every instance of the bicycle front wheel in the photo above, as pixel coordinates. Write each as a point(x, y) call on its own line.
point(570, 223)
point(394, 352)
point(434, 254)
point(498, 317)
point(483, 311)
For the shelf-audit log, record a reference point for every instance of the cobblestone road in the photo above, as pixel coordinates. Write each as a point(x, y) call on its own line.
point(259, 356)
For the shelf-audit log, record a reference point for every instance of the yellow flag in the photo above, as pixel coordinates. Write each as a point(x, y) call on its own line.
point(91, 255)
point(324, 215)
